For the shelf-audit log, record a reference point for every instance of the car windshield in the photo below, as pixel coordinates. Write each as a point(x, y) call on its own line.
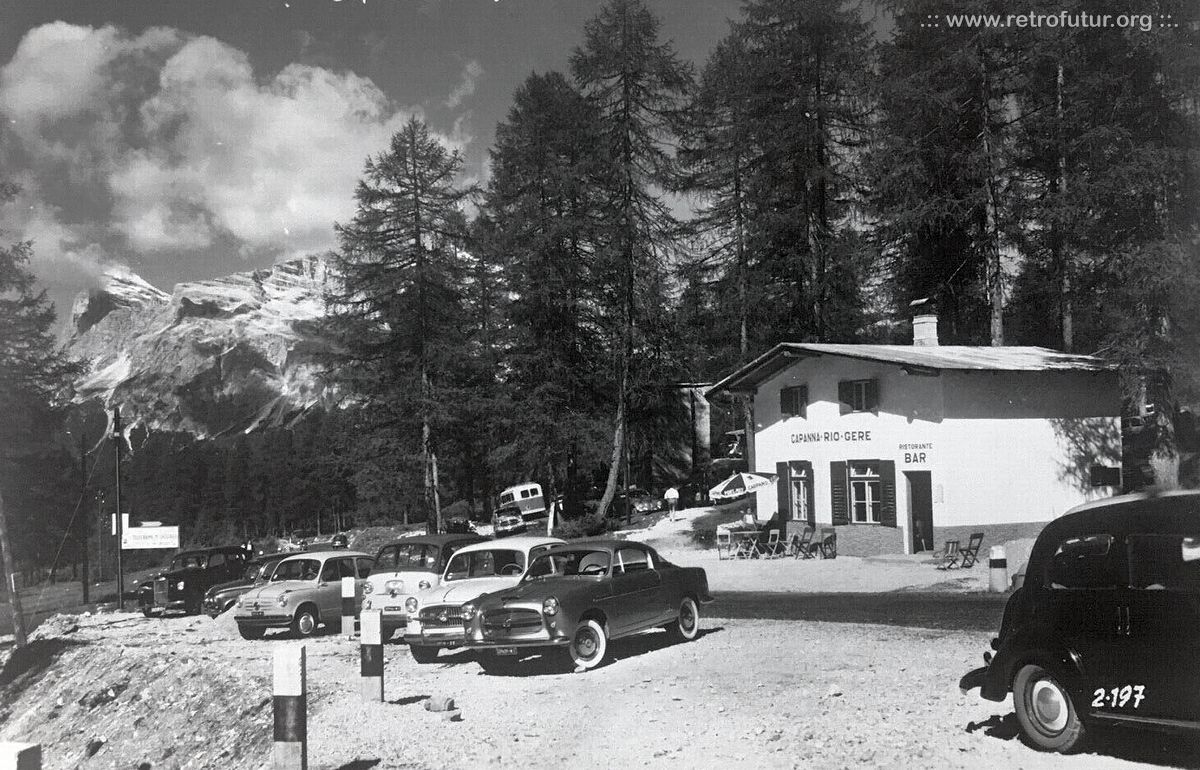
point(260, 570)
point(407, 557)
point(489, 563)
point(296, 569)
point(187, 560)
point(568, 563)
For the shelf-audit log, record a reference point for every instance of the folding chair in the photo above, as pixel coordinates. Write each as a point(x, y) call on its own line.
point(802, 545)
point(724, 544)
point(747, 546)
point(949, 556)
point(772, 549)
point(971, 553)
point(828, 544)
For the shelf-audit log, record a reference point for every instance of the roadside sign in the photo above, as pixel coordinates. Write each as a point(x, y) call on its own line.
point(136, 538)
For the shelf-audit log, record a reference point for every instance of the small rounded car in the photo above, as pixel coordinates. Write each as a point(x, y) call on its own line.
point(1105, 629)
point(434, 615)
point(577, 597)
point(508, 521)
point(304, 591)
point(224, 596)
point(402, 569)
point(181, 586)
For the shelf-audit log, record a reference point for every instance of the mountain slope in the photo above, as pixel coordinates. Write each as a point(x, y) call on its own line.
point(211, 357)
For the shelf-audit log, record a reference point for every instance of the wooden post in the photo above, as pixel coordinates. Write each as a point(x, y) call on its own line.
point(348, 607)
point(290, 701)
point(10, 580)
point(117, 439)
point(20, 756)
point(371, 651)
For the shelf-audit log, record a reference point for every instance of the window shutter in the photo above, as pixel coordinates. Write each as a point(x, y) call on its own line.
point(873, 396)
point(783, 488)
point(837, 487)
point(846, 396)
point(802, 399)
point(785, 401)
point(887, 493)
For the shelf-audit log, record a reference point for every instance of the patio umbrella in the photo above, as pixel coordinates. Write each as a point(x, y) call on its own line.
point(739, 484)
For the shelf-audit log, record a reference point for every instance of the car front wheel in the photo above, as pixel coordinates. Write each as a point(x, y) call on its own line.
point(305, 622)
point(686, 626)
point(1046, 712)
point(588, 645)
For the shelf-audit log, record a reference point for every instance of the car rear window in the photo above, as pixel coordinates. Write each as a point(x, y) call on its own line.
point(1164, 562)
point(407, 557)
point(1083, 563)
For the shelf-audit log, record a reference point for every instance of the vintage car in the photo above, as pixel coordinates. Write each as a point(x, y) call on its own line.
point(304, 591)
point(508, 521)
point(405, 567)
point(223, 596)
point(1105, 629)
point(181, 586)
point(576, 597)
point(434, 619)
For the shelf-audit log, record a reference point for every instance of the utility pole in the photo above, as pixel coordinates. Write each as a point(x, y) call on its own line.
point(120, 528)
point(84, 513)
point(10, 581)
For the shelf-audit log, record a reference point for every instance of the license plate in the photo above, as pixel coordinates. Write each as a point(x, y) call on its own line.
point(256, 614)
point(506, 650)
point(393, 608)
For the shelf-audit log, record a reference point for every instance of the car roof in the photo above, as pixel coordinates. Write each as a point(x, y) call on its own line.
point(439, 540)
point(327, 554)
point(608, 543)
point(514, 543)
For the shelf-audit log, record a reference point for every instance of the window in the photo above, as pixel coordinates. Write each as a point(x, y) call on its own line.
point(631, 560)
point(330, 572)
point(793, 401)
point(364, 566)
point(1104, 476)
point(216, 560)
point(507, 497)
point(1164, 562)
point(859, 395)
point(801, 487)
point(526, 493)
point(865, 494)
point(1083, 563)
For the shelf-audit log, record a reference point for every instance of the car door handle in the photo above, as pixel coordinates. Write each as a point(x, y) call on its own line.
point(1123, 621)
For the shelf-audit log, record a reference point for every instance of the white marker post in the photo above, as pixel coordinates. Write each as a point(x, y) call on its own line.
point(291, 710)
point(371, 651)
point(348, 607)
point(997, 570)
point(20, 756)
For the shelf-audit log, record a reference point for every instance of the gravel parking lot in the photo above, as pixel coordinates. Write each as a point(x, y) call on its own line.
point(123, 692)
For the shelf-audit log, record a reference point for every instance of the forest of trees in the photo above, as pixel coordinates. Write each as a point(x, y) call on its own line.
point(648, 222)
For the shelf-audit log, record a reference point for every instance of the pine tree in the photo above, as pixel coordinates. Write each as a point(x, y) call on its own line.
point(635, 85)
point(399, 312)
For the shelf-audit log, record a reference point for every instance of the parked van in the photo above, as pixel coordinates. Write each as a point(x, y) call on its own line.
point(527, 497)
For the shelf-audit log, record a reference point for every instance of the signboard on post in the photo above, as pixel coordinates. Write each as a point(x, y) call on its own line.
point(137, 538)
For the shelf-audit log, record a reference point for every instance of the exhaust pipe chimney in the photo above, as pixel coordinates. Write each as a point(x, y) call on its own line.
point(925, 333)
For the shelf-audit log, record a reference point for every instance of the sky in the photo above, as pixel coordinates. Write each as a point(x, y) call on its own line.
point(189, 139)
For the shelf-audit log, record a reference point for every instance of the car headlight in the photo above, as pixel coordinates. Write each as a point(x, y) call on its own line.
point(423, 585)
point(368, 588)
point(179, 586)
point(468, 612)
point(282, 600)
point(550, 606)
point(411, 605)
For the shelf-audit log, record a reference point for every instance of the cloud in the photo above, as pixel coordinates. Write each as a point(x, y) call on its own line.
point(472, 71)
point(175, 144)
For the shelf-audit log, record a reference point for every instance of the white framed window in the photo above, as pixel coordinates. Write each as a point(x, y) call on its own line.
point(801, 484)
point(859, 395)
point(865, 494)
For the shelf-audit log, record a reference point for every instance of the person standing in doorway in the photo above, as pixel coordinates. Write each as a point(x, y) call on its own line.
point(671, 496)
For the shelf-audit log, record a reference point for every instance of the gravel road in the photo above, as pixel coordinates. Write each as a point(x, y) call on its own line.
point(122, 692)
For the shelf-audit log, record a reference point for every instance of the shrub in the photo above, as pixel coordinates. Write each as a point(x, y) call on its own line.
point(588, 526)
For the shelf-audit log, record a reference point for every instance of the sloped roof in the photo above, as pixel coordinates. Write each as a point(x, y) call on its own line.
point(915, 359)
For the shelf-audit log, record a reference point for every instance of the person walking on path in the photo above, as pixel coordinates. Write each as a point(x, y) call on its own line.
point(671, 496)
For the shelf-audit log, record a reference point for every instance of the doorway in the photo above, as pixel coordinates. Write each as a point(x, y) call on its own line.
point(920, 496)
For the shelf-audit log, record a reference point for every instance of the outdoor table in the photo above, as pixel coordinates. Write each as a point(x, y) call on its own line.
point(747, 547)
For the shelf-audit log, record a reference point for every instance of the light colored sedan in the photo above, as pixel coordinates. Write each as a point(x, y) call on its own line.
point(304, 592)
point(405, 567)
point(434, 617)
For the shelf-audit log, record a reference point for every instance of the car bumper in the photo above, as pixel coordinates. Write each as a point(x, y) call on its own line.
point(986, 678)
point(494, 644)
point(435, 637)
point(264, 621)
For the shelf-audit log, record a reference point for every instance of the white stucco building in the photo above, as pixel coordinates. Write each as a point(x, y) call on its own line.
point(899, 446)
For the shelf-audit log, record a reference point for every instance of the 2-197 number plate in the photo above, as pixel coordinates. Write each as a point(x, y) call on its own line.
point(506, 650)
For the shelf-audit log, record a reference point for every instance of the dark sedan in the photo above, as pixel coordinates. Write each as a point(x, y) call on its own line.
point(223, 596)
point(182, 585)
point(576, 597)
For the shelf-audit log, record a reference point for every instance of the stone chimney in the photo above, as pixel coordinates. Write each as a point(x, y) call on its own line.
point(924, 323)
